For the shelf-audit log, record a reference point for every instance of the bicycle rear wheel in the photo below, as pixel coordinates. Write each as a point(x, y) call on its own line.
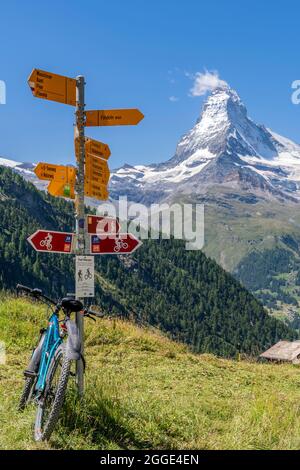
point(51, 402)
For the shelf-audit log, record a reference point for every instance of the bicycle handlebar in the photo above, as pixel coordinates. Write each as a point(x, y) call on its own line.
point(36, 293)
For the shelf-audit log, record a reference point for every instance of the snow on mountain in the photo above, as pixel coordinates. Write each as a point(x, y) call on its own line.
point(25, 170)
point(225, 147)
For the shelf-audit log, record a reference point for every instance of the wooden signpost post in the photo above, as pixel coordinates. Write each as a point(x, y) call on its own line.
point(89, 178)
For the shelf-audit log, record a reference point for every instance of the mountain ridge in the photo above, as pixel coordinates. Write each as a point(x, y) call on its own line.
point(225, 147)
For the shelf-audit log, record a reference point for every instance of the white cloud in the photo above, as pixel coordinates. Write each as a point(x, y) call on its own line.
point(173, 99)
point(206, 82)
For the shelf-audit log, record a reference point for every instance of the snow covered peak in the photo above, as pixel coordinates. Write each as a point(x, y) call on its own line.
point(224, 126)
point(223, 102)
point(224, 147)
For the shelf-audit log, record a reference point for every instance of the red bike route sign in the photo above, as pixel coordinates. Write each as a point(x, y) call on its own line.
point(52, 242)
point(114, 244)
point(100, 224)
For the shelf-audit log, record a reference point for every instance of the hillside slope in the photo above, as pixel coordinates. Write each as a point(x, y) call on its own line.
point(184, 293)
point(248, 178)
point(147, 392)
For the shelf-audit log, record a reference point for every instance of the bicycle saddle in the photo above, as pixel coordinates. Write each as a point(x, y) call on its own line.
point(71, 305)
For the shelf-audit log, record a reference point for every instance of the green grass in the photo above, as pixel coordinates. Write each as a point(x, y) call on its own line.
point(144, 391)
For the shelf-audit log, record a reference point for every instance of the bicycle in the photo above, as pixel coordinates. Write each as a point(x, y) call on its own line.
point(47, 242)
point(88, 275)
point(120, 245)
point(46, 377)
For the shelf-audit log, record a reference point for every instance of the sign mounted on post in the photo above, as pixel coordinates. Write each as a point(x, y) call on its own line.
point(96, 148)
point(96, 190)
point(62, 179)
point(93, 147)
point(52, 242)
point(96, 170)
point(60, 189)
point(53, 87)
point(49, 171)
point(114, 244)
point(98, 225)
point(113, 117)
point(85, 276)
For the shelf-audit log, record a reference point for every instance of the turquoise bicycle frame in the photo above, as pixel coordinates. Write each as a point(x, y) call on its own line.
point(51, 342)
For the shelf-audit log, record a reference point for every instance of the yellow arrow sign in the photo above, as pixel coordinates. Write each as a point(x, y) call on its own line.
point(96, 190)
point(51, 86)
point(59, 189)
point(96, 169)
point(113, 117)
point(94, 147)
point(48, 171)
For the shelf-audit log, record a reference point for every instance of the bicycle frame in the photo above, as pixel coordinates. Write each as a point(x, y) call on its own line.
point(51, 343)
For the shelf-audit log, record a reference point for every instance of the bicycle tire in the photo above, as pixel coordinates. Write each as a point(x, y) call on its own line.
point(43, 430)
point(25, 397)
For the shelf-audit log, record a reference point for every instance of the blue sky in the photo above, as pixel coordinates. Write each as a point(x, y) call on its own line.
point(137, 54)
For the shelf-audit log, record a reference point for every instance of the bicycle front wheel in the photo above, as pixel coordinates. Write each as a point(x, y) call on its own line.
point(51, 402)
point(26, 394)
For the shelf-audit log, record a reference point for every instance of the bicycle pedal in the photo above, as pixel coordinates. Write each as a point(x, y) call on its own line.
point(30, 373)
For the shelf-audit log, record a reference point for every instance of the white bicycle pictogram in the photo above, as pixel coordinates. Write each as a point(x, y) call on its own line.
point(120, 245)
point(47, 242)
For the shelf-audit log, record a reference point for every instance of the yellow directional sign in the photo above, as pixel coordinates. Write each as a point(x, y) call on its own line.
point(113, 117)
point(48, 171)
point(94, 147)
point(51, 86)
point(57, 188)
point(96, 190)
point(96, 169)
point(62, 179)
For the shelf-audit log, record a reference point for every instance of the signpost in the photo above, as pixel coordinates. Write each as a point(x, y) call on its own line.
point(52, 242)
point(114, 244)
point(113, 117)
point(80, 211)
point(90, 178)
